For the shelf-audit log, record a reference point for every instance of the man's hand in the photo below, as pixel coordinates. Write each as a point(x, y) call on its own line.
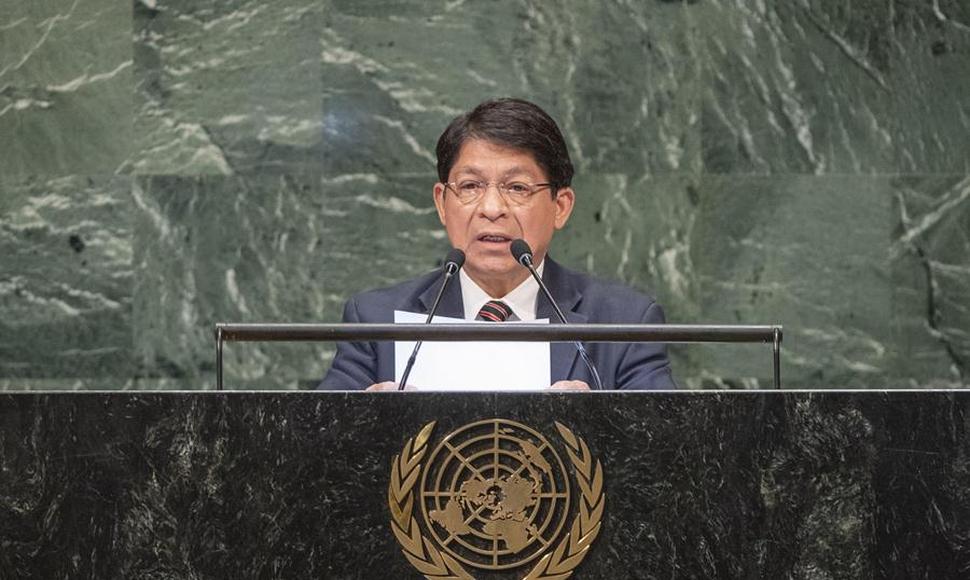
point(385, 386)
point(570, 386)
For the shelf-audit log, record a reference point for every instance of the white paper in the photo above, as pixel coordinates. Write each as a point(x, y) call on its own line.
point(471, 366)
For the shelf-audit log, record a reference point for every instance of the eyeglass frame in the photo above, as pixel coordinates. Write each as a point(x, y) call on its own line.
point(502, 189)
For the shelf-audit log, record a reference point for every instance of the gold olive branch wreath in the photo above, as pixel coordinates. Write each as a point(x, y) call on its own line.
point(434, 564)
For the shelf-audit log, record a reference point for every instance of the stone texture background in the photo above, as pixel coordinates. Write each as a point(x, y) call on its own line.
point(726, 485)
point(168, 164)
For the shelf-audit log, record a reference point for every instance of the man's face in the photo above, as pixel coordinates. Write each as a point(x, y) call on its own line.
point(485, 229)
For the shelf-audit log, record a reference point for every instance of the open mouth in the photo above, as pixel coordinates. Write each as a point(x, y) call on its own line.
point(494, 239)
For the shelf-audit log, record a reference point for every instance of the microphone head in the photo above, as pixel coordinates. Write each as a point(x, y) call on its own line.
point(454, 260)
point(521, 252)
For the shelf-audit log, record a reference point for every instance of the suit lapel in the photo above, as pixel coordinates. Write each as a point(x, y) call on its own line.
point(451, 303)
point(563, 288)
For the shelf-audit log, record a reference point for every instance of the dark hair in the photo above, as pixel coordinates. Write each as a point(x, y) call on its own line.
point(512, 123)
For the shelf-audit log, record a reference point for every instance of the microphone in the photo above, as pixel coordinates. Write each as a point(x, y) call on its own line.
point(453, 262)
point(523, 255)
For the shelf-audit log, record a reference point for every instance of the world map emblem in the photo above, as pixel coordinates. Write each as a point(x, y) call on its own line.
point(495, 496)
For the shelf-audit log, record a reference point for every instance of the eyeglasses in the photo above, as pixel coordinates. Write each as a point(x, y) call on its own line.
point(469, 191)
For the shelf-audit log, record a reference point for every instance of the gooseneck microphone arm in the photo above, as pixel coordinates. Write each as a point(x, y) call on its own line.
point(453, 263)
point(523, 255)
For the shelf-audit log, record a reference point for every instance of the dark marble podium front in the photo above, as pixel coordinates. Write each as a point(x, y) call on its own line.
point(294, 485)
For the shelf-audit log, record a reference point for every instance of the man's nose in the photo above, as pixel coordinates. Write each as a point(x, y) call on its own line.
point(493, 204)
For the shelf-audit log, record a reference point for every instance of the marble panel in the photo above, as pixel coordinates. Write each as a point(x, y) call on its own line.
point(931, 74)
point(396, 73)
point(66, 280)
point(797, 87)
point(110, 383)
point(266, 249)
point(65, 81)
point(226, 87)
point(695, 127)
point(636, 231)
point(931, 279)
point(808, 252)
point(383, 231)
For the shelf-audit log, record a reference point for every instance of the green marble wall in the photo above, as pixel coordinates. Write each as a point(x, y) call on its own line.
point(173, 163)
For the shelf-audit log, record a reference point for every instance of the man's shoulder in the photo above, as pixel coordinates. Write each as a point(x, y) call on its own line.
point(401, 296)
point(597, 291)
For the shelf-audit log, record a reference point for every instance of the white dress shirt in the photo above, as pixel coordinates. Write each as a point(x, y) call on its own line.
point(522, 300)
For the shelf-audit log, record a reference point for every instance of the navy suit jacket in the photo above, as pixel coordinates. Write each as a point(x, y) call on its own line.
point(582, 298)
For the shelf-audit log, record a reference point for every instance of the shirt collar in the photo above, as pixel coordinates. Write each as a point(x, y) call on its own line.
point(522, 299)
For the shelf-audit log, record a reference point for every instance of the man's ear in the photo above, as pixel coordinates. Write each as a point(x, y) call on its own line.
point(565, 199)
point(439, 192)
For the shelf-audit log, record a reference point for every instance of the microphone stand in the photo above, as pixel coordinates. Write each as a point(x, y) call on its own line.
point(450, 269)
point(525, 258)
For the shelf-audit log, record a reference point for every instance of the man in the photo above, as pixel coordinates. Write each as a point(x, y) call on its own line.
point(504, 173)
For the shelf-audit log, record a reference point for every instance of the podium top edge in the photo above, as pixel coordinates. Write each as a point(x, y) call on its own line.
point(526, 332)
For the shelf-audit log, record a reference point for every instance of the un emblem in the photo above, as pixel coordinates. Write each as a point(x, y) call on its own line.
point(495, 495)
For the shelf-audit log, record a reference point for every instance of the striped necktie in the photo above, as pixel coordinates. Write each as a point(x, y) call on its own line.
point(495, 311)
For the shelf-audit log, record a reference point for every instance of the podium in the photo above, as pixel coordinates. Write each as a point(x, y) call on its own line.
point(766, 484)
